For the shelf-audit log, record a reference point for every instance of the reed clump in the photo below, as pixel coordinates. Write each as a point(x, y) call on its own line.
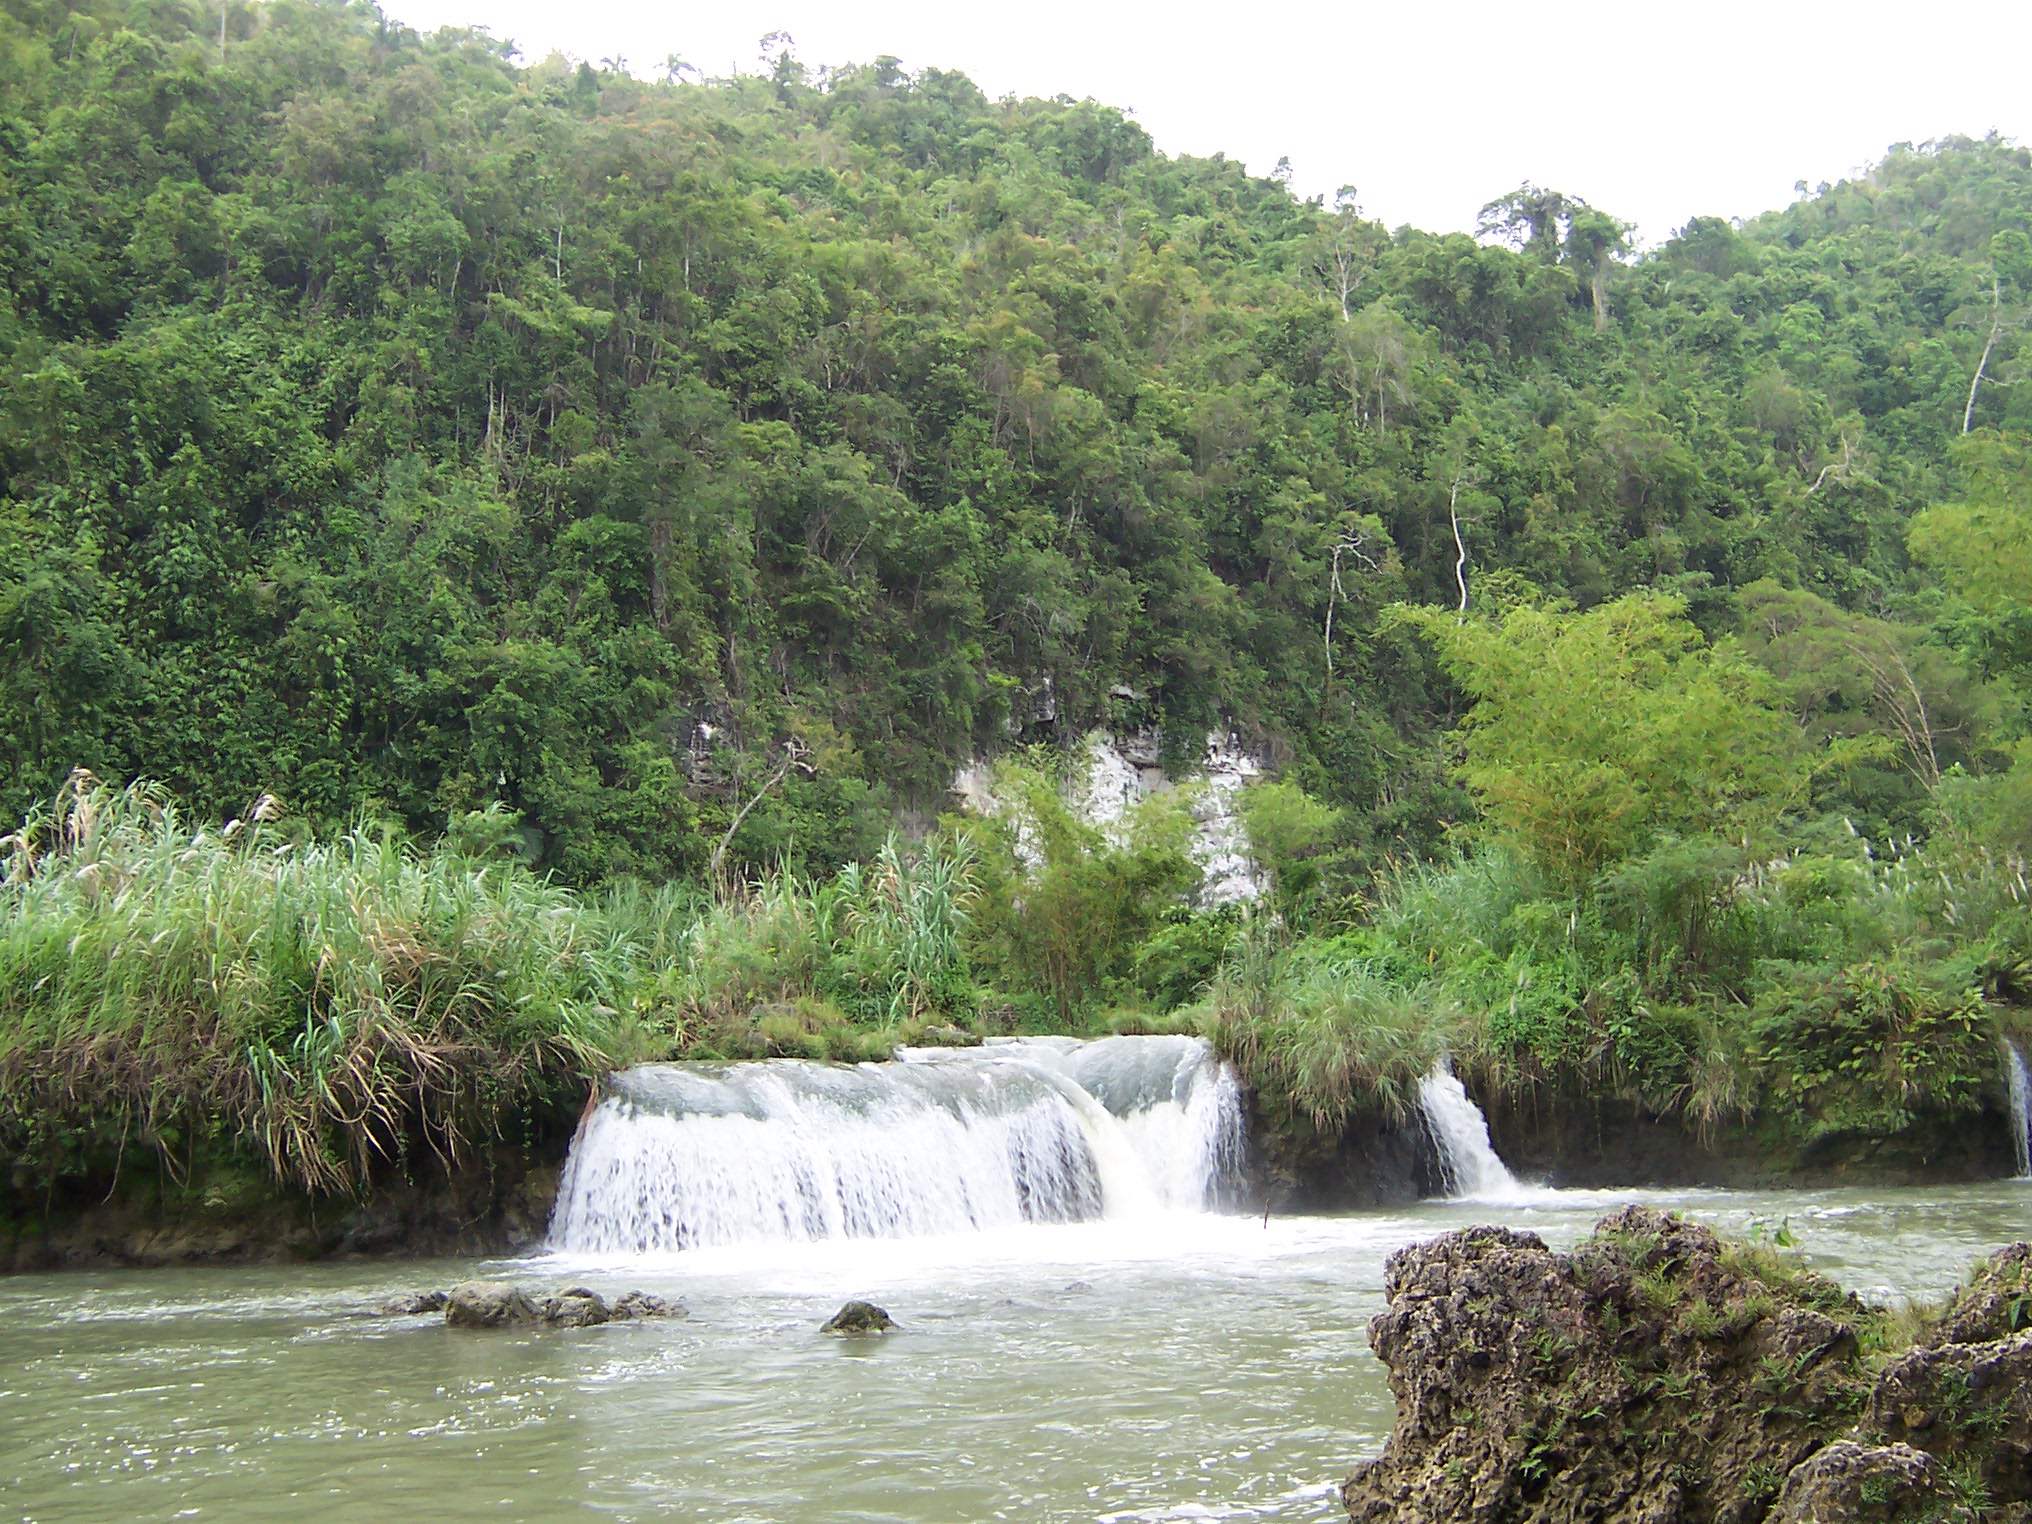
point(338, 1004)
point(333, 1003)
point(845, 967)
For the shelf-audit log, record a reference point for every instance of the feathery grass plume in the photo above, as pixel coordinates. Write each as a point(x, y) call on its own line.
point(331, 1001)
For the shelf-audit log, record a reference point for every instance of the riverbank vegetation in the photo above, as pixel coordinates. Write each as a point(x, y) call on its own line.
point(602, 515)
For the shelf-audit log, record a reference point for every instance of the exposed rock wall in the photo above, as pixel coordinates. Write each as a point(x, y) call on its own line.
point(1291, 1166)
point(1124, 770)
point(497, 1201)
point(1659, 1375)
point(1581, 1140)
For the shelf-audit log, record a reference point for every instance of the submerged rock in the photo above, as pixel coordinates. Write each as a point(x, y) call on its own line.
point(499, 1304)
point(411, 1303)
point(643, 1304)
point(578, 1307)
point(859, 1318)
point(489, 1304)
point(1659, 1375)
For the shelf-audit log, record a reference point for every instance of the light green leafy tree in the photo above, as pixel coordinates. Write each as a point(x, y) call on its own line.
point(1594, 733)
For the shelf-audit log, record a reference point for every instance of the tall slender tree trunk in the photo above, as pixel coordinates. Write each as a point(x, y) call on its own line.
point(1968, 414)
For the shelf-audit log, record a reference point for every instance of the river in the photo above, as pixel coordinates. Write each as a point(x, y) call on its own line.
point(1181, 1366)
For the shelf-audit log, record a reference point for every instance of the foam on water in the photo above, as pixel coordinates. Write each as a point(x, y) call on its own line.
point(1024, 1131)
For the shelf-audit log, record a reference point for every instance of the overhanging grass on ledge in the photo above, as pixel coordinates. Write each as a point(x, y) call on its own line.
point(329, 1002)
point(1328, 1032)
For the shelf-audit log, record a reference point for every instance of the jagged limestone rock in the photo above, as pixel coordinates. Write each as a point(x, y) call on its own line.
point(577, 1307)
point(498, 1304)
point(1658, 1375)
point(1996, 1302)
point(409, 1304)
point(1970, 1406)
point(1650, 1376)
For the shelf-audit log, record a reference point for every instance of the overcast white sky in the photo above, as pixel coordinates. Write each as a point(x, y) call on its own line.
point(1652, 112)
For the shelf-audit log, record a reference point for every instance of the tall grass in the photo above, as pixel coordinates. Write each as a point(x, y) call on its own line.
point(1331, 1033)
point(1837, 987)
point(333, 1002)
point(340, 1003)
point(839, 967)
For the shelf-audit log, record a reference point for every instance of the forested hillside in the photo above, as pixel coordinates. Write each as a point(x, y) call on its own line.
point(655, 483)
point(393, 428)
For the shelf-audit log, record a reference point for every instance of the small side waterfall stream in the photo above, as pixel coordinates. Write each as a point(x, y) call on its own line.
point(1041, 1130)
point(1467, 1160)
point(2020, 1088)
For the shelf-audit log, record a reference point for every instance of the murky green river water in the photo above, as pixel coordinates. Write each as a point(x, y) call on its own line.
point(1181, 1368)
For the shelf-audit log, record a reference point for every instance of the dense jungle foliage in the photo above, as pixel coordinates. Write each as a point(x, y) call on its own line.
point(649, 489)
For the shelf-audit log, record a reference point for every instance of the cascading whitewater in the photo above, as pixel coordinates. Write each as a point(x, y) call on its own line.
point(2019, 1085)
point(1468, 1161)
point(680, 1156)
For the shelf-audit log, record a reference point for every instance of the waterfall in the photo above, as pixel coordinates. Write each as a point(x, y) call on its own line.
point(2020, 1087)
point(1468, 1162)
point(1038, 1130)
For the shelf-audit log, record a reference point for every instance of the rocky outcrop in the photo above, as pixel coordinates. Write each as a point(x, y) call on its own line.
point(227, 1209)
point(1970, 1405)
point(413, 1304)
point(859, 1318)
point(1659, 1375)
point(643, 1304)
point(580, 1307)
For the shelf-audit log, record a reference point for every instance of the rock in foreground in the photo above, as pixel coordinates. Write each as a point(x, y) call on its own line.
point(1659, 1375)
point(859, 1318)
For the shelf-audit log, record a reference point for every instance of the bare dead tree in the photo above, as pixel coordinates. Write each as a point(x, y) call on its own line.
point(1968, 414)
point(1848, 468)
point(1354, 541)
point(1460, 545)
point(1897, 691)
point(795, 755)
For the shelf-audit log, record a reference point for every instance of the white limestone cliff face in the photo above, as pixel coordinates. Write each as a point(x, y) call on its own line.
point(1123, 771)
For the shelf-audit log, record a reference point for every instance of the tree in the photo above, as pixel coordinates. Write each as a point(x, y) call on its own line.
point(1982, 546)
point(1594, 241)
point(1286, 827)
point(1847, 675)
point(1531, 219)
point(1593, 734)
point(1068, 902)
point(1349, 248)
